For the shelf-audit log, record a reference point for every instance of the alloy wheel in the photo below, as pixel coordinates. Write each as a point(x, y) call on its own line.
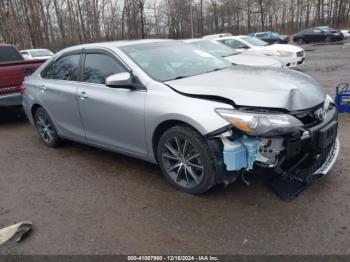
point(182, 162)
point(45, 127)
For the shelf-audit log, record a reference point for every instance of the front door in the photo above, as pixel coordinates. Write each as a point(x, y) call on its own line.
point(113, 117)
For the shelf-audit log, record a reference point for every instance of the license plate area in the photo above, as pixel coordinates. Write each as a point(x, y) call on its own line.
point(328, 134)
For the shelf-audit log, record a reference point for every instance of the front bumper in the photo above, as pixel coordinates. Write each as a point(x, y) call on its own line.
point(11, 99)
point(330, 160)
point(292, 62)
point(312, 153)
point(304, 155)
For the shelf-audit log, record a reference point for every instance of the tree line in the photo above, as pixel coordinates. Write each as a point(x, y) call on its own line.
point(55, 24)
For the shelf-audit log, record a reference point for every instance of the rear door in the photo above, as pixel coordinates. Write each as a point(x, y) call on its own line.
point(113, 117)
point(58, 94)
point(318, 35)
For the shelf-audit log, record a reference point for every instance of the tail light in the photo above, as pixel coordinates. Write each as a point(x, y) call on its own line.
point(22, 88)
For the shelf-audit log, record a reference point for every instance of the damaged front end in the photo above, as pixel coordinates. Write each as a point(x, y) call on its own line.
point(299, 147)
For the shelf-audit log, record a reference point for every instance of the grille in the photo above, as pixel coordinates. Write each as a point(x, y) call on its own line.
point(300, 54)
point(307, 118)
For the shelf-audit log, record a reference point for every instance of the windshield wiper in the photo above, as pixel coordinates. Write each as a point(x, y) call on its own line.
point(176, 78)
point(230, 54)
point(215, 69)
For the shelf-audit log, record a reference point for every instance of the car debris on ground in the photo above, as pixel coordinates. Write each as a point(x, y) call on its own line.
point(19, 231)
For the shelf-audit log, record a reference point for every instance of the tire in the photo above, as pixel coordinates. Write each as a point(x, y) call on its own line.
point(186, 160)
point(328, 39)
point(46, 128)
point(300, 41)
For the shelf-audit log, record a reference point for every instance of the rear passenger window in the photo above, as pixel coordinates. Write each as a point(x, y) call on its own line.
point(99, 66)
point(65, 68)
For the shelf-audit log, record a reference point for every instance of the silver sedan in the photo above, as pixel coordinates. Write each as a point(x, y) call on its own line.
point(202, 119)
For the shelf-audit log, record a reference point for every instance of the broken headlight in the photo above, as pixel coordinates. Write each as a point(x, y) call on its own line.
point(261, 123)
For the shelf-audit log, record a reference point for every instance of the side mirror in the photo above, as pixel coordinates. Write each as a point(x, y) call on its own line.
point(120, 80)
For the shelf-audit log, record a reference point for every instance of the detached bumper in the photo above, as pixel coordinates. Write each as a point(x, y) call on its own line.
point(11, 99)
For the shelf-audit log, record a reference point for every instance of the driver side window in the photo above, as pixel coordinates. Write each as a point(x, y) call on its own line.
point(98, 67)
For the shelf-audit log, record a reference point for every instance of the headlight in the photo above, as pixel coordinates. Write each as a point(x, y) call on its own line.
point(284, 54)
point(261, 123)
point(328, 101)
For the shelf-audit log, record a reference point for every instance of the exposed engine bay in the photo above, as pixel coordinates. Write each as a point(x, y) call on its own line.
point(296, 159)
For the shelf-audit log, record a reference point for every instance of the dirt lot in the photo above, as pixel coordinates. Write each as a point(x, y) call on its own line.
point(88, 201)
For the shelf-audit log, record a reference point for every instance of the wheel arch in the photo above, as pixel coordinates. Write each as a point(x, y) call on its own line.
point(34, 107)
point(164, 126)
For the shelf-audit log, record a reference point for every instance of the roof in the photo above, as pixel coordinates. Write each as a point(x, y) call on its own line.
point(37, 49)
point(216, 35)
point(6, 45)
point(123, 43)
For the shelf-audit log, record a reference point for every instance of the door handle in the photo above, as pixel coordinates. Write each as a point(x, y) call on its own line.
point(83, 95)
point(28, 70)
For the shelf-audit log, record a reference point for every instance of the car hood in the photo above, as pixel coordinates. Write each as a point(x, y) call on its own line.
point(255, 87)
point(250, 60)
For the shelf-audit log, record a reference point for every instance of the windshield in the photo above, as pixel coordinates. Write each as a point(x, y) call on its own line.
point(166, 61)
point(254, 41)
point(216, 48)
point(38, 53)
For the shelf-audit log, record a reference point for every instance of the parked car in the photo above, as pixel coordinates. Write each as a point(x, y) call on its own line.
point(318, 34)
point(346, 33)
point(202, 119)
point(13, 69)
point(234, 56)
point(30, 54)
point(271, 37)
point(290, 55)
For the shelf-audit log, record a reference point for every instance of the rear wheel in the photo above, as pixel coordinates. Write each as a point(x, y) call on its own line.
point(45, 128)
point(186, 160)
point(300, 41)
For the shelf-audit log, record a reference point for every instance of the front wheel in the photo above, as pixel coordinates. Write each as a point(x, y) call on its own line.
point(46, 128)
point(186, 160)
point(328, 39)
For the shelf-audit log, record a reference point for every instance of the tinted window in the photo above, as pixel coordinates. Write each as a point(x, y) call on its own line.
point(262, 35)
point(98, 67)
point(65, 68)
point(8, 54)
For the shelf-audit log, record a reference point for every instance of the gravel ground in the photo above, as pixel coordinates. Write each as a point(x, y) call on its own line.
point(84, 200)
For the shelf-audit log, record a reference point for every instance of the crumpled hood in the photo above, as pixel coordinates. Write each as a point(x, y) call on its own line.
point(256, 87)
point(250, 60)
